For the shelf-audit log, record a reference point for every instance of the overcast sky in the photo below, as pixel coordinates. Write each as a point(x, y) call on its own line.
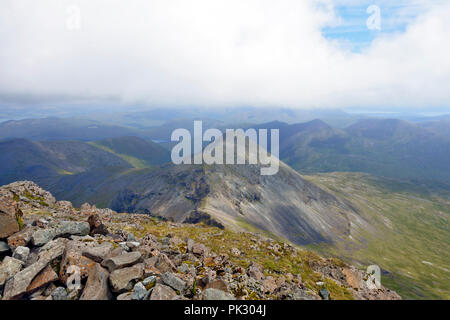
point(290, 53)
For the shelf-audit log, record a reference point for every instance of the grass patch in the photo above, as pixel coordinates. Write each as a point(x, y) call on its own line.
point(259, 251)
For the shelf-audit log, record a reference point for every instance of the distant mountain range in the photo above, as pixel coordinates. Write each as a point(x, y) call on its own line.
point(350, 215)
point(384, 147)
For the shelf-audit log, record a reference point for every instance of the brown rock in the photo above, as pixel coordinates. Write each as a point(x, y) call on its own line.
point(121, 280)
point(199, 249)
point(21, 238)
point(8, 225)
point(269, 285)
point(73, 257)
point(217, 284)
point(46, 276)
point(8, 268)
point(353, 279)
point(162, 292)
point(254, 271)
point(98, 253)
point(96, 225)
point(123, 260)
point(164, 264)
point(97, 287)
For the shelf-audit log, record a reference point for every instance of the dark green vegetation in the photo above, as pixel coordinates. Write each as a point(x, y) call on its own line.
point(46, 162)
point(49, 162)
point(138, 152)
point(411, 235)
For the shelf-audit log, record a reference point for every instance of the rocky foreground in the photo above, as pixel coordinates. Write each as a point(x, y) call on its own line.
point(52, 251)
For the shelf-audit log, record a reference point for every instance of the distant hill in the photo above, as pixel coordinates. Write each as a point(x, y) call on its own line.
point(61, 129)
point(47, 161)
point(439, 127)
point(384, 147)
point(137, 151)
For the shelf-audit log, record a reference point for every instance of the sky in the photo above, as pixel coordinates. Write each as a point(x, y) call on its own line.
point(210, 53)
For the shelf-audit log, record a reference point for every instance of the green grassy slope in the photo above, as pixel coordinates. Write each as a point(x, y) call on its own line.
point(137, 152)
point(411, 242)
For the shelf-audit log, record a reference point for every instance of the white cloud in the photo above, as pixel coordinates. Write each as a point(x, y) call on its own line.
point(218, 53)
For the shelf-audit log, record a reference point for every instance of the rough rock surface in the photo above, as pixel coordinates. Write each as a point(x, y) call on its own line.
point(60, 253)
point(97, 287)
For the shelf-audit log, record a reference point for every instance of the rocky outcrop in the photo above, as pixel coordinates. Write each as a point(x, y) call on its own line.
point(64, 254)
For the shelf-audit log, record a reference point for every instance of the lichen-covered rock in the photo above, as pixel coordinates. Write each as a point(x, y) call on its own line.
point(59, 293)
point(21, 238)
point(62, 229)
point(138, 266)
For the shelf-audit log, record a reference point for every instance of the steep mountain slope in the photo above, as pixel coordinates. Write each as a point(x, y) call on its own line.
point(412, 231)
point(46, 161)
point(238, 196)
point(135, 150)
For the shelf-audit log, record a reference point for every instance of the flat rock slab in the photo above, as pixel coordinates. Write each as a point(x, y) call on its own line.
point(46, 276)
point(123, 260)
point(98, 253)
point(121, 280)
point(63, 229)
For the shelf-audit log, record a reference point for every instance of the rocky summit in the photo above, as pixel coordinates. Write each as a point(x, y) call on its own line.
point(50, 250)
